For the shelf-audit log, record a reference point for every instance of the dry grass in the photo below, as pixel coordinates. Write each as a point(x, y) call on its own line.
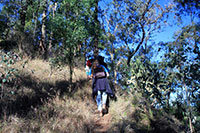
point(43, 103)
point(42, 70)
point(128, 116)
point(51, 111)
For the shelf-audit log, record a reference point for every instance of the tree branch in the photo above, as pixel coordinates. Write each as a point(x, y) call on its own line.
point(131, 54)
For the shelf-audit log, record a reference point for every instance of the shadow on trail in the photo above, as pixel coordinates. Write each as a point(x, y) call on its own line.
point(31, 92)
point(162, 124)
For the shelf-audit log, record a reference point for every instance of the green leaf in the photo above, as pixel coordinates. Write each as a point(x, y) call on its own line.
point(4, 80)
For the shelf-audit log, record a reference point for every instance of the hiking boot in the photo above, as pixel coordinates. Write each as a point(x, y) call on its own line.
point(104, 110)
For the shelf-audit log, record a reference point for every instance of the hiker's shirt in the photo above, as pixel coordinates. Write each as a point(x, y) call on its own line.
point(101, 82)
point(88, 68)
point(88, 71)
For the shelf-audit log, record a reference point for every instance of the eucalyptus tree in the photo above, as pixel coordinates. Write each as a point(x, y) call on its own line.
point(53, 7)
point(111, 23)
point(23, 4)
point(35, 12)
point(149, 79)
point(9, 17)
point(4, 20)
point(97, 24)
point(69, 30)
point(96, 27)
point(43, 39)
point(182, 59)
point(188, 40)
point(19, 24)
point(129, 25)
point(187, 7)
point(141, 18)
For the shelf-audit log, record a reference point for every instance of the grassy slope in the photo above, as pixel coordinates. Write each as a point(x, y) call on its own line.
point(42, 103)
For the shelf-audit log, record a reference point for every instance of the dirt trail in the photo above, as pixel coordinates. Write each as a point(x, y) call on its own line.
point(102, 124)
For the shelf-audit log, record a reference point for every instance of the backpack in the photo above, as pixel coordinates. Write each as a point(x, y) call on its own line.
point(101, 61)
point(99, 72)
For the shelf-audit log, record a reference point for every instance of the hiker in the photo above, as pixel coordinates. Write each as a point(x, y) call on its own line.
point(100, 86)
point(101, 62)
point(88, 67)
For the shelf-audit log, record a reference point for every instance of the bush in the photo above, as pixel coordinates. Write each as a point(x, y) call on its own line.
point(6, 70)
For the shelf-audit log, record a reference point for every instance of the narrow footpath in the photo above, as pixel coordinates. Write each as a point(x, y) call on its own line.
point(100, 124)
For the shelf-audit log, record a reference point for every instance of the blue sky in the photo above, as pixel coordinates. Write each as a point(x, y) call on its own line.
point(168, 31)
point(0, 6)
point(164, 36)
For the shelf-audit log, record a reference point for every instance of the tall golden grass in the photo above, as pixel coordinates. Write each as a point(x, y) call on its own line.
point(42, 103)
point(68, 112)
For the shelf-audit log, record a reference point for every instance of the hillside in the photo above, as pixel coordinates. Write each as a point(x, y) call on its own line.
point(39, 100)
point(151, 48)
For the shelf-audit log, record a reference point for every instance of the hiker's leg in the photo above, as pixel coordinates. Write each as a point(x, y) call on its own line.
point(98, 100)
point(104, 98)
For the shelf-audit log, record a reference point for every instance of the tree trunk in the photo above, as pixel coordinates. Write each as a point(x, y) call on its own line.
point(168, 105)
point(23, 22)
point(23, 15)
point(189, 109)
point(51, 34)
point(35, 17)
point(43, 37)
point(70, 59)
point(131, 54)
point(112, 62)
point(96, 36)
point(113, 67)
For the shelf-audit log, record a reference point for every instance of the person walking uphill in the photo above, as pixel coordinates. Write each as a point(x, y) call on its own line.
point(88, 67)
point(101, 88)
